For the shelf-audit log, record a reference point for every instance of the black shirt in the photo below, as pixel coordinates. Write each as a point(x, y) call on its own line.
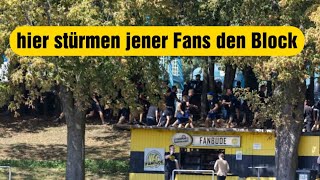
point(170, 99)
point(164, 114)
point(198, 87)
point(193, 101)
point(125, 112)
point(226, 99)
point(212, 103)
point(163, 117)
point(170, 164)
point(244, 105)
point(183, 106)
point(233, 100)
point(308, 112)
point(145, 104)
point(185, 90)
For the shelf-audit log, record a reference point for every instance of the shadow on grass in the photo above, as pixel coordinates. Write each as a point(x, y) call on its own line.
point(24, 124)
point(59, 152)
point(115, 136)
point(43, 152)
point(97, 167)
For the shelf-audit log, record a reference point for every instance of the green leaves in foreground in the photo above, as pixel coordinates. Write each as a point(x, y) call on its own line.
point(95, 166)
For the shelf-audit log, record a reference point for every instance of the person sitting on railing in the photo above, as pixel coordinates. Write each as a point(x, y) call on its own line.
point(165, 116)
point(316, 113)
point(152, 116)
point(257, 114)
point(144, 107)
point(170, 99)
point(194, 105)
point(308, 120)
point(96, 107)
point(188, 106)
point(213, 105)
point(124, 114)
point(183, 115)
point(228, 104)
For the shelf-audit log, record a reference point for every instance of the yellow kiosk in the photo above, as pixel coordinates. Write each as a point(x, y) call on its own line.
point(249, 152)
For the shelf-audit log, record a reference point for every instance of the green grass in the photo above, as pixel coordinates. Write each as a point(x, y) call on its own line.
point(107, 166)
point(30, 164)
point(94, 166)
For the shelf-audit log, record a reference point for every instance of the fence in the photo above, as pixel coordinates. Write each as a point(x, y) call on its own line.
point(9, 169)
point(192, 171)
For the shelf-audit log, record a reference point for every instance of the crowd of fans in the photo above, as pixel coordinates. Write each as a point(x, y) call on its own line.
point(311, 116)
point(223, 110)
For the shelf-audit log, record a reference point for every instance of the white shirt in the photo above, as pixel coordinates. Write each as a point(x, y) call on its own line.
point(221, 167)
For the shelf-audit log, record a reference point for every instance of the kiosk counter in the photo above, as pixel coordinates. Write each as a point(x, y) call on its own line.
point(249, 152)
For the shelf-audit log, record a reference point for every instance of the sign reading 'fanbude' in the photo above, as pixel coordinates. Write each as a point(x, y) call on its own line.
point(229, 141)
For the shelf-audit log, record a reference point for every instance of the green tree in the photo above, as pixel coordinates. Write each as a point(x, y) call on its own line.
point(77, 77)
point(286, 73)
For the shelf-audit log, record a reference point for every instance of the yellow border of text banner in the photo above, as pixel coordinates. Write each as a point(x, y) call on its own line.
point(157, 41)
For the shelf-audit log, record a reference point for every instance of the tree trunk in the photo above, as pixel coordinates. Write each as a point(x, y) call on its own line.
point(204, 92)
point(229, 76)
point(288, 129)
point(287, 142)
point(191, 74)
point(311, 87)
point(212, 82)
point(269, 88)
point(76, 135)
point(250, 78)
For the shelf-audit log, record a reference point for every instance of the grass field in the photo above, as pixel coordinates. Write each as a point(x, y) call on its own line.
point(36, 149)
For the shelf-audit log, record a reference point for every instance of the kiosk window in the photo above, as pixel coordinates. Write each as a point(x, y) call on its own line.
point(199, 159)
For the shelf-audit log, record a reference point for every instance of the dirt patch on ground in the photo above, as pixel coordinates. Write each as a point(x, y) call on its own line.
point(38, 139)
point(52, 174)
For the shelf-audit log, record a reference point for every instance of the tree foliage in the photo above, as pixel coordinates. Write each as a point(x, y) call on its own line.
point(30, 77)
point(81, 75)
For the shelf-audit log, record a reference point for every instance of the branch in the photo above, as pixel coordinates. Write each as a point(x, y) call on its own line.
point(47, 9)
point(26, 15)
point(27, 18)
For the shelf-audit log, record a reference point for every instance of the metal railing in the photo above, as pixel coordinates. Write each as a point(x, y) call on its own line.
point(9, 169)
point(192, 171)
